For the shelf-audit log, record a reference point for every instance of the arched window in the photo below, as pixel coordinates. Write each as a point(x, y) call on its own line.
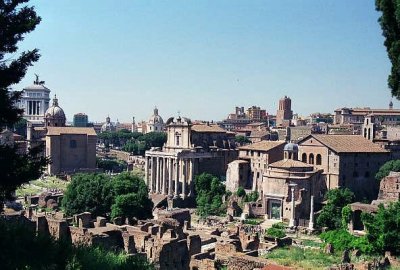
point(318, 159)
point(311, 159)
point(304, 157)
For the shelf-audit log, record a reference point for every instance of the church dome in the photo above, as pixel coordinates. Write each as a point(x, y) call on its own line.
point(155, 118)
point(55, 111)
point(107, 126)
point(55, 115)
point(291, 147)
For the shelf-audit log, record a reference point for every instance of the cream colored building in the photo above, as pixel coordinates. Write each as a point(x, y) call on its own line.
point(189, 151)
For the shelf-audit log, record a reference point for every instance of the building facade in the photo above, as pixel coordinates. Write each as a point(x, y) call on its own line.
point(346, 160)
point(190, 150)
point(71, 149)
point(257, 157)
point(290, 188)
point(35, 101)
point(80, 120)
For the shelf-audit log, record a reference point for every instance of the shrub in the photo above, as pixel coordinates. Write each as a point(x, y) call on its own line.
point(342, 239)
point(277, 230)
point(241, 192)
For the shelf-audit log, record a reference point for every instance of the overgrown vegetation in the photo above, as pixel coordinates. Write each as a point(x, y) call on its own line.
point(342, 239)
point(331, 213)
point(277, 230)
point(105, 195)
point(209, 190)
point(385, 169)
point(22, 248)
point(383, 228)
point(251, 197)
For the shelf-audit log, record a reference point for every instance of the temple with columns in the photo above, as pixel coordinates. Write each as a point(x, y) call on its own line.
point(190, 150)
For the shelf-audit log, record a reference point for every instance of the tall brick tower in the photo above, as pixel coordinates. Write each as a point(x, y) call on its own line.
point(284, 114)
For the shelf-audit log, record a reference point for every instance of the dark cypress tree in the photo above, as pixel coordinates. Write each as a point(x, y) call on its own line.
point(390, 24)
point(16, 20)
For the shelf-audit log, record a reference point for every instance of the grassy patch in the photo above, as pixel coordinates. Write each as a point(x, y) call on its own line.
point(38, 186)
point(311, 243)
point(253, 221)
point(303, 258)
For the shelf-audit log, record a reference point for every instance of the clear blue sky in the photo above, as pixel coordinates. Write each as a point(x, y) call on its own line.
point(203, 58)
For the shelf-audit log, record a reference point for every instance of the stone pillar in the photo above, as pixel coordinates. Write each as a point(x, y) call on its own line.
point(153, 174)
point(170, 170)
point(157, 175)
point(311, 224)
point(184, 178)
point(177, 172)
point(292, 218)
point(161, 175)
point(165, 165)
point(190, 178)
point(146, 172)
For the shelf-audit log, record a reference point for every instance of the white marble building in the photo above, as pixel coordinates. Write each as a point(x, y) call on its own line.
point(35, 101)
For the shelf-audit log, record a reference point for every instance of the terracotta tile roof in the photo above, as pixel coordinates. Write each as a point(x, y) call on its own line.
point(348, 144)
point(70, 130)
point(208, 128)
point(290, 163)
point(365, 111)
point(262, 146)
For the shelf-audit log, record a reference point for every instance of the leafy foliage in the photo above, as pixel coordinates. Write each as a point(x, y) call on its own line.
point(144, 142)
point(390, 21)
point(22, 248)
point(277, 230)
point(241, 192)
point(331, 213)
point(209, 190)
point(251, 197)
point(97, 193)
point(383, 228)
point(111, 165)
point(242, 140)
point(15, 169)
point(342, 239)
point(385, 169)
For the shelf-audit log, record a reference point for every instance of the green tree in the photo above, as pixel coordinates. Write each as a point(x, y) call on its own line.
point(242, 140)
point(390, 24)
point(131, 205)
point(209, 190)
point(85, 194)
point(251, 197)
point(331, 213)
point(383, 228)
point(241, 192)
point(385, 169)
point(97, 193)
point(15, 21)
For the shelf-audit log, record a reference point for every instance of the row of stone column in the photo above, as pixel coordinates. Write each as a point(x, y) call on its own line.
point(169, 176)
